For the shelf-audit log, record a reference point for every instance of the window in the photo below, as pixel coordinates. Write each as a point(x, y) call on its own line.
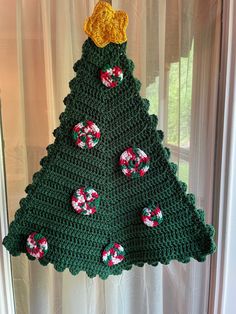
point(176, 111)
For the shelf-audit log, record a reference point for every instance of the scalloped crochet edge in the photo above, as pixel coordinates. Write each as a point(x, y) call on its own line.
point(119, 270)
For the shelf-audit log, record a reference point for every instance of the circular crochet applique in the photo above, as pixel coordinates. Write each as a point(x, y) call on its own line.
point(113, 254)
point(152, 216)
point(134, 162)
point(36, 245)
point(85, 201)
point(86, 134)
point(111, 77)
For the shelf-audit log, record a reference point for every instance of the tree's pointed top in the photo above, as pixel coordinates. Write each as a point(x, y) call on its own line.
point(106, 25)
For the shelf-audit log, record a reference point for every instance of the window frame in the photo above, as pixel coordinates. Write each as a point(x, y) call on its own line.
point(223, 275)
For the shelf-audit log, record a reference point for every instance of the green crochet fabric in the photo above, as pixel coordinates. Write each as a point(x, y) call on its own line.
point(176, 230)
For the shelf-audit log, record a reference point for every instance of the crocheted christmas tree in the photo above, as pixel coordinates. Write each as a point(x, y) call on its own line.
point(106, 196)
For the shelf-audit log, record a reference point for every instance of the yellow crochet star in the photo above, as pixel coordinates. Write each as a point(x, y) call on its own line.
point(106, 25)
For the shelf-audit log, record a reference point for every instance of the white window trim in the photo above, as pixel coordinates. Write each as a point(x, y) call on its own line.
point(223, 277)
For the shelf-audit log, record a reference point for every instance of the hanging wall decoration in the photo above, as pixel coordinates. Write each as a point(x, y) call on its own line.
point(107, 197)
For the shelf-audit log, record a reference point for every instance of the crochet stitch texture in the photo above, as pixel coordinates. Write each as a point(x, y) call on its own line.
point(77, 242)
point(106, 25)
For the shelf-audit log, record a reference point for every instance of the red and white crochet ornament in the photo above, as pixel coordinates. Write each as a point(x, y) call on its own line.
point(111, 77)
point(36, 245)
point(86, 134)
point(152, 216)
point(85, 201)
point(113, 254)
point(134, 162)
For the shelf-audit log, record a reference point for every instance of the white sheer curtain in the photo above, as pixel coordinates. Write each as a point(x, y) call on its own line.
point(175, 47)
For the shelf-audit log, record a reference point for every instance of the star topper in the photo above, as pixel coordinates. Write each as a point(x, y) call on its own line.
point(106, 25)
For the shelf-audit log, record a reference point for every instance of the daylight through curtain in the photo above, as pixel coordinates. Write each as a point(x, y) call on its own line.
point(175, 47)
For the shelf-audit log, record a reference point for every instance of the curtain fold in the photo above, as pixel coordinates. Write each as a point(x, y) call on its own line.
point(175, 47)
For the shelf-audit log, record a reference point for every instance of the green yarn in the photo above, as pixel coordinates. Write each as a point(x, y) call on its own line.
point(77, 241)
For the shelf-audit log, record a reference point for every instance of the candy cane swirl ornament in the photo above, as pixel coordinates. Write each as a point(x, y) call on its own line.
point(113, 254)
point(36, 245)
point(111, 77)
point(134, 162)
point(85, 201)
point(86, 134)
point(152, 216)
